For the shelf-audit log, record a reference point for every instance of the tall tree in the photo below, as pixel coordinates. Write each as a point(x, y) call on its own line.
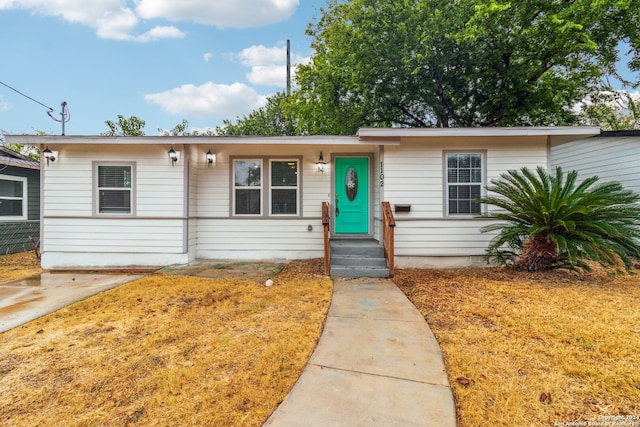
point(181, 129)
point(464, 63)
point(609, 110)
point(133, 126)
point(270, 120)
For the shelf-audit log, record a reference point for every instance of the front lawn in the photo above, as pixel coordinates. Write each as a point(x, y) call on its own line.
point(534, 349)
point(165, 350)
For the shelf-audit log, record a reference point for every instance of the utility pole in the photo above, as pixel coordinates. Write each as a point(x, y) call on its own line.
point(288, 67)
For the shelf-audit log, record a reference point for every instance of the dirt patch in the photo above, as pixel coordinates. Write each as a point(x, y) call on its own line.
point(255, 271)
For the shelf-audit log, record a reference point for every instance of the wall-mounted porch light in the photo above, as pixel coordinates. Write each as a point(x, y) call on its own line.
point(173, 155)
point(49, 155)
point(321, 164)
point(211, 158)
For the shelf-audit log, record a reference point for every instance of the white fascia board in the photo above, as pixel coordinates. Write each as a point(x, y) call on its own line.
point(574, 131)
point(179, 140)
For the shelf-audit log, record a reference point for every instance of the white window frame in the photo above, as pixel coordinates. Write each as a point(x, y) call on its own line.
point(25, 201)
point(97, 188)
point(235, 187)
point(272, 188)
point(481, 184)
point(265, 187)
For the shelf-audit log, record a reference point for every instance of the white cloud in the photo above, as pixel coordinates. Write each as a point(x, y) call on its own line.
point(207, 56)
point(220, 13)
point(4, 106)
point(113, 19)
point(209, 100)
point(158, 33)
point(269, 64)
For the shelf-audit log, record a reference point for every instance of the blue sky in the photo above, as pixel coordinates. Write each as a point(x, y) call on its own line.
point(160, 60)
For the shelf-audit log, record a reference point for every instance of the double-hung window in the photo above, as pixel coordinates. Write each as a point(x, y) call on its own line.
point(276, 180)
point(115, 188)
point(284, 187)
point(13, 197)
point(464, 179)
point(247, 187)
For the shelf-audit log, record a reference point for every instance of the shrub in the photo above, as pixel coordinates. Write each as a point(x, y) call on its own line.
point(548, 221)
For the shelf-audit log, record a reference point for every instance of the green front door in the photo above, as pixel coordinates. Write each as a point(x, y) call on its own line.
point(351, 208)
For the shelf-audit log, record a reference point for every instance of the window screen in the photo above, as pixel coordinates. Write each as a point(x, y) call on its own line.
point(464, 183)
point(114, 189)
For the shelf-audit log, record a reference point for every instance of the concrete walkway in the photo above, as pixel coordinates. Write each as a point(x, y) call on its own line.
point(23, 300)
point(377, 364)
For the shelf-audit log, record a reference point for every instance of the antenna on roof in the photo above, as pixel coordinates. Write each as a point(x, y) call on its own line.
point(288, 67)
point(65, 115)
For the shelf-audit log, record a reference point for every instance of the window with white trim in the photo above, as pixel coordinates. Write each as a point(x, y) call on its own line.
point(114, 188)
point(13, 197)
point(284, 187)
point(247, 186)
point(464, 178)
point(266, 187)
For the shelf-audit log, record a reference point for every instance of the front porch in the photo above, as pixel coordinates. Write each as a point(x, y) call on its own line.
point(359, 256)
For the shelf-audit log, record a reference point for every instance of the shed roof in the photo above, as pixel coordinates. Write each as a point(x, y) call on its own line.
point(12, 158)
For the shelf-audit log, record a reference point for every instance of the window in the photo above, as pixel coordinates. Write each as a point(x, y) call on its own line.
point(247, 185)
point(284, 187)
point(115, 189)
point(13, 197)
point(281, 186)
point(464, 183)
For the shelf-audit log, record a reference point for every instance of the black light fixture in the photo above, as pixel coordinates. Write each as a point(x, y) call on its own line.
point(321, 164)
point(211, 158)
point(49, 155)
point(173, 155)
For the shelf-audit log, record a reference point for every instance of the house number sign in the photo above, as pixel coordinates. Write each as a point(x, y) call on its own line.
point(381, 173)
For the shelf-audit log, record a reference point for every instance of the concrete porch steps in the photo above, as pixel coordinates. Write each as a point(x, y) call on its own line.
point(358, 258)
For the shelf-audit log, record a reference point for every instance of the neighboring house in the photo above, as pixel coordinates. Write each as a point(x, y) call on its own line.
point(121, 201)
point(19, 201)
point(612, 156)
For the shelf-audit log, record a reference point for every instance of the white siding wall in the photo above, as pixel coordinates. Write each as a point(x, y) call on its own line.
point(414, 175)
point(221, 235)
point(75, 237)
point(157, 234)
point(610, 158)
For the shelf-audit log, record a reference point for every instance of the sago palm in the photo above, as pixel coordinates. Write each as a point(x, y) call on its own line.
point(548, 221)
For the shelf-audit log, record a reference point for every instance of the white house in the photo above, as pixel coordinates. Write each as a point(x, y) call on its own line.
point(123, 201)
point(612, 156)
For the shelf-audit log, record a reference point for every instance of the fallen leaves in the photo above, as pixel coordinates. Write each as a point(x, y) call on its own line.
point(532, 348)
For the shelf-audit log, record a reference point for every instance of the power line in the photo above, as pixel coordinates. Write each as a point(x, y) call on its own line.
point(26, 96)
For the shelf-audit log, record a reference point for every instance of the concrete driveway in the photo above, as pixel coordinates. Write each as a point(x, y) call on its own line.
point(26, 299)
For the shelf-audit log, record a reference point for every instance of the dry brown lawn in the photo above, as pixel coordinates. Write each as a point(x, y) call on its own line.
point(165, 350)
point(19, 266)
point(541, 349)
point(520, 349)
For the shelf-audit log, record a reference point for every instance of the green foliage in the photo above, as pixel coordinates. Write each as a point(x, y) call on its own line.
point(271, 120)
point(133, 126)
point(181, 130)
point(465, 63)
point(612, 111)
point(584, 220)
